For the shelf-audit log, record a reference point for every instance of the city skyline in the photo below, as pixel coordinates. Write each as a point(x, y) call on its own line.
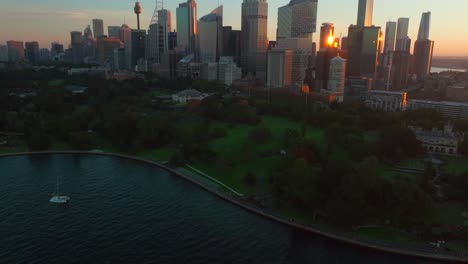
point(76, 16)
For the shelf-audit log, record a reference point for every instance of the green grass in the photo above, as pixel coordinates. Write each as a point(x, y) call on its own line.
point(58, 145)
point(456, 166)
point(160, 154)
point(449, 214)
point(416, 164)
point(390, 174)
point(16, 149)
point(385, 234)
point(56, 83)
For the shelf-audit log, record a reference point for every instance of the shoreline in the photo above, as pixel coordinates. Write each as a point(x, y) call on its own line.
point(236, 200)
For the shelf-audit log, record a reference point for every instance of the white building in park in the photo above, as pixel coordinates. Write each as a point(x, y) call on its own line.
point(188, 95)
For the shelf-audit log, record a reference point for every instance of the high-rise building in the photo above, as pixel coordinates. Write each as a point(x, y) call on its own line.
point(88, 33)
point(364, 46)
point(124, 33)
point(302, 51)
point(423, 51)
point(113, 32)
point(424, 27)
point(371, 48)
point(187, 27)
point(3, 53)
point(232, 44)
point(77, 47)
point(297, 19)
point(403, 25)
point(98, 28)
point(135, 49)
point(322, 67)
point(365, 13)
point(400, 70)
point(211, 36)
point(344, 44)
point(158, 42)
point(279, 68)
point(403, 44)
point(327, 35)
point(228, 71)
point(56, 48)
point(172, 39)
point(390, 36)
point(15, 51)
point(32, 51)
point(337, 76)
point(254, 37)
point(119, 59)
point(44, 54)
point(105, 50)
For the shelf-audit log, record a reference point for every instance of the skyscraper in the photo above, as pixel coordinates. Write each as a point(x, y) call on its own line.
point(3, 53)
point(124, 33)
point(400, 70)
point(327, 35)
point(88, 33)
point(187, 27)
point(158, 42)
point(232, 44)
point(424, 27)
point(113, 32)
point(390, 36)
point(254, 37)
point(423, 51)
point(32, 51)
point(279, 68)
point(98, 27)
point(423, 48)
point(365, 13)
point(15, 51)
point(297, 19)
point(56, 48)
point(211, 35)
point(403, 25)
point(105, 50)
point(336, 82)
point(77, 47)
point(135, 48)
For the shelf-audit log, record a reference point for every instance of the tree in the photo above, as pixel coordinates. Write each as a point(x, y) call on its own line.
point(38, 141)
point(260, 135)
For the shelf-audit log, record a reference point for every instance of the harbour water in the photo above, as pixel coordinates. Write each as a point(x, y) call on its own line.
point(123, 211)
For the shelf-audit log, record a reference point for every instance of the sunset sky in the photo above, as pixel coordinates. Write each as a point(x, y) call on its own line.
point(52, 20)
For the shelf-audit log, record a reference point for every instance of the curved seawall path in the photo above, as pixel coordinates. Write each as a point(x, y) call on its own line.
point(423, 252)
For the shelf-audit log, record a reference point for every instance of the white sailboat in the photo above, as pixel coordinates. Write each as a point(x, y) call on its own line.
point(57, 198)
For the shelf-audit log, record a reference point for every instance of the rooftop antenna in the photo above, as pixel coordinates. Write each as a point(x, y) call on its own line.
point(159, 6)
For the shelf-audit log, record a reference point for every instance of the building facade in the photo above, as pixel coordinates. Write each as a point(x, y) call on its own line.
point(98, 28)
point(386, 100)
point(436, 141)
point(211, 36)
point(15, 51)
point(3, 53)
point(32, 51)
point(336, 82)
point(455, 110)
point(280, 63)
point(254, 39)
point(113, 32)
point(424, 26)
point(187, 27)
point(365, 13)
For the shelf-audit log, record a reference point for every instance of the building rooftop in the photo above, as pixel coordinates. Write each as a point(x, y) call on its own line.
point(438, 102)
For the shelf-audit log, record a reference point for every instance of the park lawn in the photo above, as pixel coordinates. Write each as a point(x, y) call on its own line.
point(56, 83)
point(59, 145)
point(16, 149)
point(385, 234)
point(390, 174)
point(449, 214)
point(416, 164)
point(456, 166)
point(160, 154)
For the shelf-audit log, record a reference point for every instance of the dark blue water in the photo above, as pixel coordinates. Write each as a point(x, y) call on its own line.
point(128, 212)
